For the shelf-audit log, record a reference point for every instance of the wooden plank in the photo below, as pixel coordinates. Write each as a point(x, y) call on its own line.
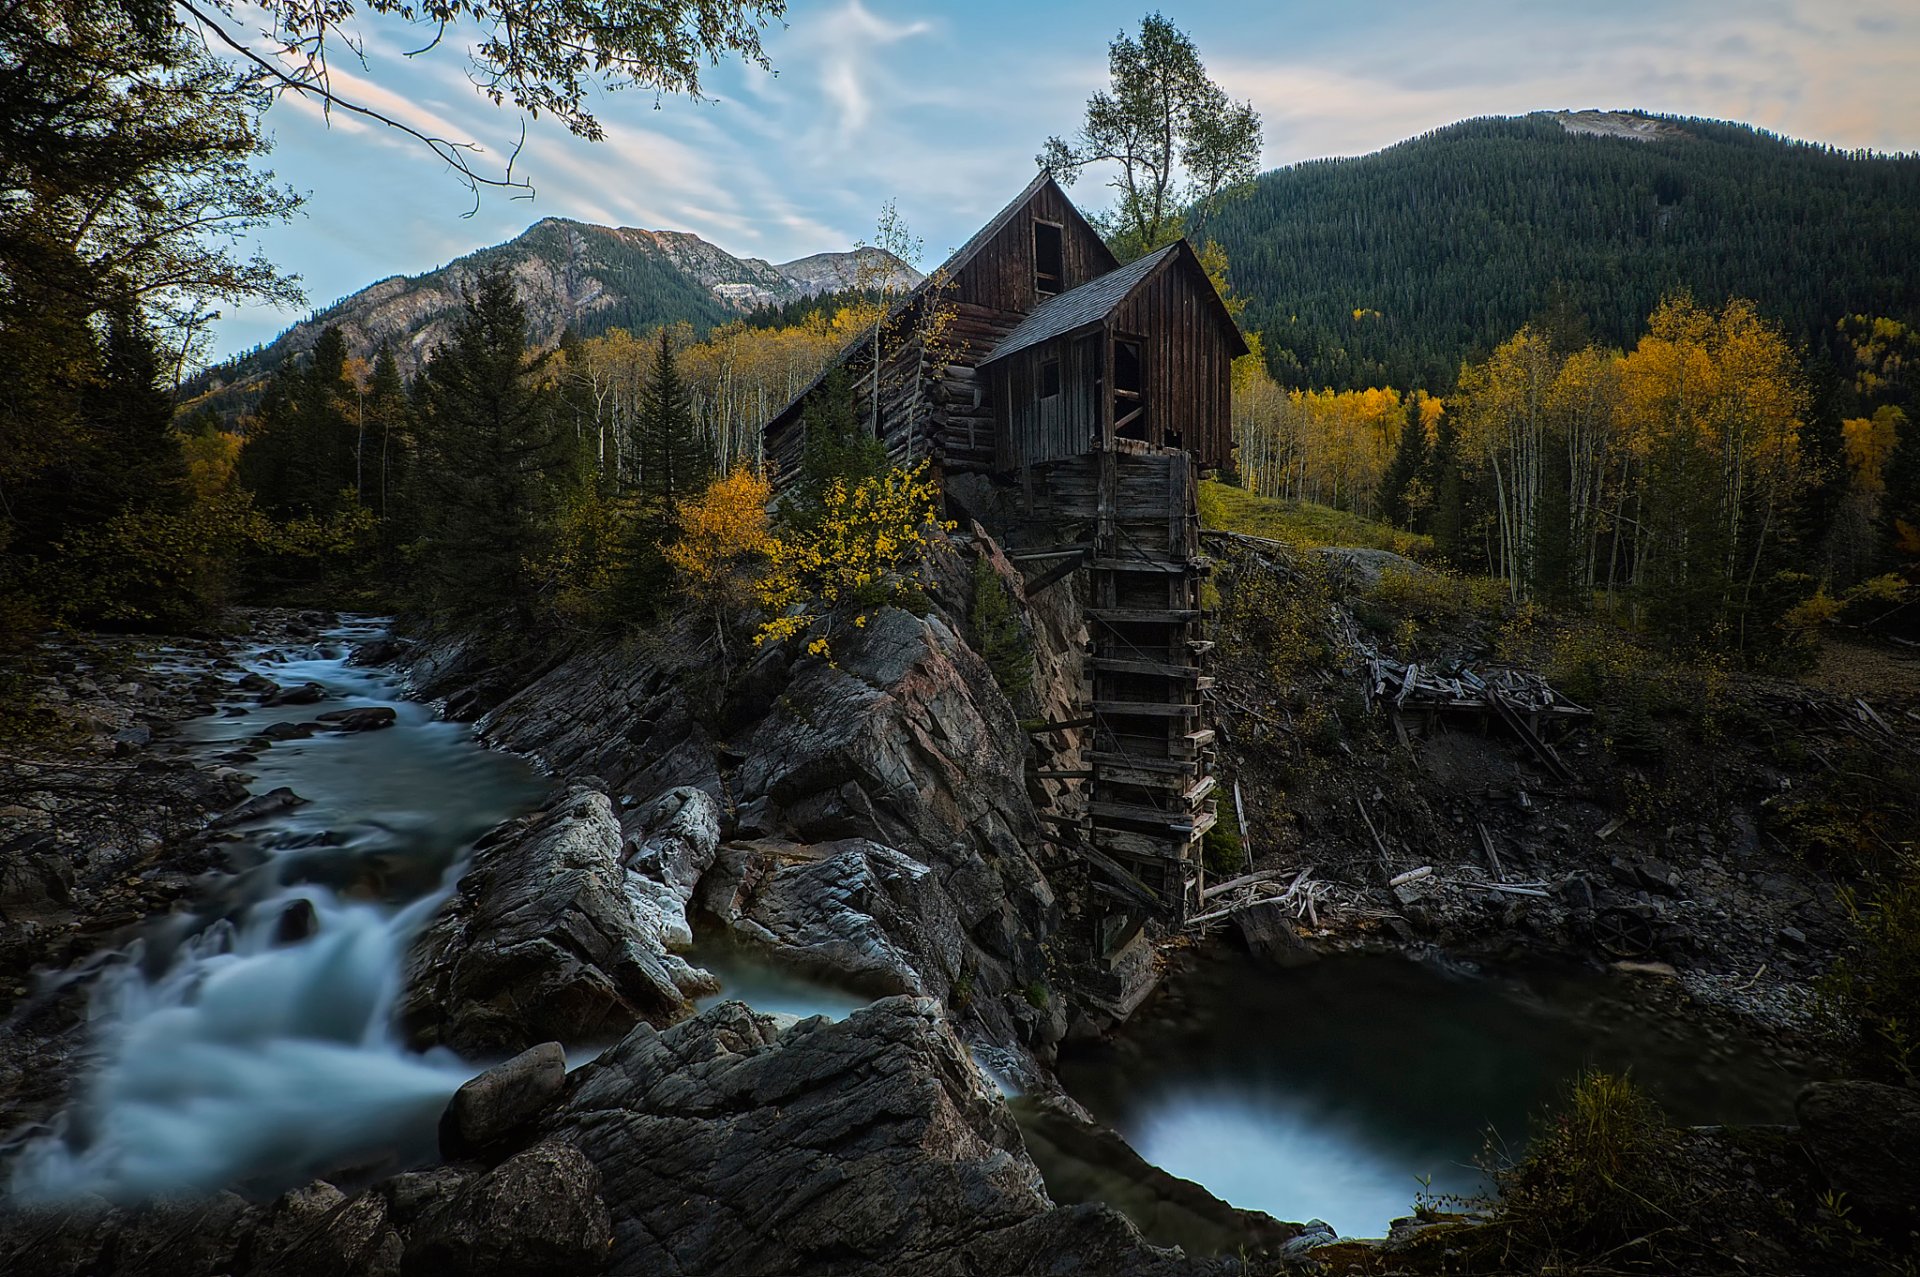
point(1157, 669)
point(1052, 577)
point(1122, 877)
point(1177, 821)
point(1063, 725)
point(1145, 709)
point(1125, 615)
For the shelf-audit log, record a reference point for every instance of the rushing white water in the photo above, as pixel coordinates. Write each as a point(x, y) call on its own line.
point(248, 1057)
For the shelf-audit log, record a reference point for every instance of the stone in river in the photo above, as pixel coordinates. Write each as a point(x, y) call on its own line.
point(503, 1100)
point(274, 800)
point(288, 731)
point(366, 718)
point(300, 694)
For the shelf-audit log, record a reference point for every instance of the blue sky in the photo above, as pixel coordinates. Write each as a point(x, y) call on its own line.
point(942, 106)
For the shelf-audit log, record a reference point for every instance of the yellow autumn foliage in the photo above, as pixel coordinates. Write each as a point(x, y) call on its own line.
point(869, 549)
point(724, 545)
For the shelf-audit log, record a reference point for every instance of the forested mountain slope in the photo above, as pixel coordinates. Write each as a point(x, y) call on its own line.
point(1390, 268)
point(569, 274)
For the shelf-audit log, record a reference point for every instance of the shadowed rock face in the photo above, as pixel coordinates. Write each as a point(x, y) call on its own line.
point(542, 941)
point(871, 817)
point(727, 1145)
point(731, 1143)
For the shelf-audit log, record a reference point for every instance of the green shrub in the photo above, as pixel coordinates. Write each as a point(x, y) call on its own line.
point(1603, 1176)
point(1222, 850)
point(997, 633)
point(1873, 992)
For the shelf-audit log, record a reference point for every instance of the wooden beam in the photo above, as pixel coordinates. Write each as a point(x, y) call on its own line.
point(1159, 669)
point(1127, 615)
point(1052, 577)
point(1145, 709)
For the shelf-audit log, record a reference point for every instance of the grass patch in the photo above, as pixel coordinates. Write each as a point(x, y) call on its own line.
point(1302, 523)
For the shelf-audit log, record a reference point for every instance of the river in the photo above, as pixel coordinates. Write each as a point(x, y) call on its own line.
point(1344, 1088)
point(250, 1045)
point(231, 1049)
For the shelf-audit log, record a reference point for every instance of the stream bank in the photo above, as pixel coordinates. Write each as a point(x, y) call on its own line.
point(869, 821)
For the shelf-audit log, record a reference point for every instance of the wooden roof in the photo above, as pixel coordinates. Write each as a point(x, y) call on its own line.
point(1091, 303)
point(948, 269)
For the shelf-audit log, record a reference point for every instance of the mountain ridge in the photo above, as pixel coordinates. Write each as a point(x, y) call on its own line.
point(1391, 268)
point(570, 274)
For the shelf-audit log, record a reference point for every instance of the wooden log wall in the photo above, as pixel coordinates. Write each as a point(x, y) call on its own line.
point(1189, 367)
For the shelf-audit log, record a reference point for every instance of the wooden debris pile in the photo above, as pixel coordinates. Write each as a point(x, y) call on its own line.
point(1522, 701)
point(1302, 896)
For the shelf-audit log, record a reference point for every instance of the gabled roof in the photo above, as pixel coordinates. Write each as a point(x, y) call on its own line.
point(1093, 302)
point(1079, 307)
point(946, 270)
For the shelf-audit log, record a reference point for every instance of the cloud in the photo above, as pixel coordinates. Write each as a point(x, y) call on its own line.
point(944, 107)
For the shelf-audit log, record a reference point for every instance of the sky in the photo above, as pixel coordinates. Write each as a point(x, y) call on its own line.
point(941, 107)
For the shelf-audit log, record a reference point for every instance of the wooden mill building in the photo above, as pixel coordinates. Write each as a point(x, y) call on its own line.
point(1096, 393)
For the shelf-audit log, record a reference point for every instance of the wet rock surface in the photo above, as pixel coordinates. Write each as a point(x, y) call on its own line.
point(490, 1109)
point(542, 942)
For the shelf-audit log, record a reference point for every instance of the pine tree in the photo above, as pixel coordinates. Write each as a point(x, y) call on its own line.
point(675, 462)
point(493, 465)
point(837, 445)
point(1446, 521)
point(1409, 458)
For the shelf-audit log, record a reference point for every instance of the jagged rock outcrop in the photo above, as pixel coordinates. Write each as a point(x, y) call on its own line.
point(542, 941)
point(854, 911)
point(730, 1143)
point(872, 810)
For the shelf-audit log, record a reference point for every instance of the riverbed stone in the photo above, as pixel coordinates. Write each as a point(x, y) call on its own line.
point(298, 694)
point(539, 1211)
point(541, 941)
point(492, 1107)
point(364, 718)
point(1863, 1136)
point(270, 803)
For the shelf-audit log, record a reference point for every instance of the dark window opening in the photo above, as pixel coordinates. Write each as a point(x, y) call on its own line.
point(1129, 391)
point(1049, 259)
point(1050, 379)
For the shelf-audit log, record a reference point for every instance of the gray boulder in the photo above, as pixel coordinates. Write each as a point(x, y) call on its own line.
point(298, 694)
point(541, 942)
point(365, 718)
point(490, 1108)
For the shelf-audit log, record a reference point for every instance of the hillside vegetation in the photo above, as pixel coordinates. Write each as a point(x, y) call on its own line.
point(1226, 508)
point(1391, 268)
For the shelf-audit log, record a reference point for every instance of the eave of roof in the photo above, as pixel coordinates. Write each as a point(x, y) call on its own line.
point(946, 270)
point(1091, 303)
